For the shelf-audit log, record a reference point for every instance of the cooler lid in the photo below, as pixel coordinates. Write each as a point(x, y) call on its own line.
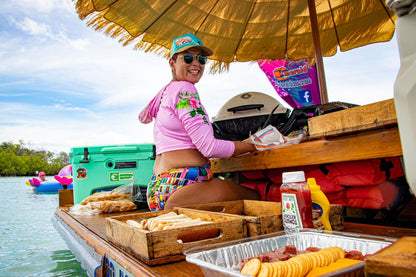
point(106, 149)
point(248, 104)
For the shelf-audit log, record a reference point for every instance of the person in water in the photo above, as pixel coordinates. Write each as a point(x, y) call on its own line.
point(184, 137)
point(42, 176)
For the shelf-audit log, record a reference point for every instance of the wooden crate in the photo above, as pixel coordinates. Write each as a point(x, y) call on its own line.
point(159, 247)
point(336, 217)
point(362, 118)
point(262, 217)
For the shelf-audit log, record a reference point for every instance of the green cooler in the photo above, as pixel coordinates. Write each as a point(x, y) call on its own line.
point(101, 168)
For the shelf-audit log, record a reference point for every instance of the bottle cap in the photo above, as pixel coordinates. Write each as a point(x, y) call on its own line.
point(294, 176)
point(313, 186)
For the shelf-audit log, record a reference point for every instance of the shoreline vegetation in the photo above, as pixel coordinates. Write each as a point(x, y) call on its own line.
point(18, 160)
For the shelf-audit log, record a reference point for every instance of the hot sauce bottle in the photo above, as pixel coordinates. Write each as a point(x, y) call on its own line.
point(296, 201)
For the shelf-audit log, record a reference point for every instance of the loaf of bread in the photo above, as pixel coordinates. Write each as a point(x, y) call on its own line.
point(112, 206)
point(105, 195)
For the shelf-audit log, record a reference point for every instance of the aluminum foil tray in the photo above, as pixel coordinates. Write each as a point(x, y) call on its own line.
point(224, 259)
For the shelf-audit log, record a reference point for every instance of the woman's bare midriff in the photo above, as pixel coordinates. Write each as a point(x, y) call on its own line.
point(177, 159)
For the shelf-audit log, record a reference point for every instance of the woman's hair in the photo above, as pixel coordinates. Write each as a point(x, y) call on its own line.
point(175, 57)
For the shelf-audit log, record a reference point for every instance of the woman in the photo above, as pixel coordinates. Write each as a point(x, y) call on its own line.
point(184, 137)
point(42, 176)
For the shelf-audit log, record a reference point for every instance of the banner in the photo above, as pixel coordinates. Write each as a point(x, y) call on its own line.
point(294, 81)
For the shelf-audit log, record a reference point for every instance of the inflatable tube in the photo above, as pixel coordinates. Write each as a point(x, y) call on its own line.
point(62, 180)
point(33, 182)
point(66, 170)
point(65, 181)
point(50, 186)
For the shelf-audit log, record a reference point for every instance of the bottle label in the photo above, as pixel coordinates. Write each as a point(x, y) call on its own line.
point(317, 212)
point(290, 212)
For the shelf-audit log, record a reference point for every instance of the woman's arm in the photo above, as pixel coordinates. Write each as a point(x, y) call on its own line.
point(243, 147)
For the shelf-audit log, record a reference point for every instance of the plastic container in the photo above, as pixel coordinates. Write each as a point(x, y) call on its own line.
point(225, 259)
point(405, 93)
point(296, 201)
point(320, 206)
point(98, 168)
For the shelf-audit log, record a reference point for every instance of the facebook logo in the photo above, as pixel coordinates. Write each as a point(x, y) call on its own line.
point(305, 96)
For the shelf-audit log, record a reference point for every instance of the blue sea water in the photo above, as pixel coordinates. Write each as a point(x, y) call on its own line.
point(29, 244)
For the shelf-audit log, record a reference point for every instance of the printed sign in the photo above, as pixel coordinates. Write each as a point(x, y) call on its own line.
point(295, 82)
point(121, 176)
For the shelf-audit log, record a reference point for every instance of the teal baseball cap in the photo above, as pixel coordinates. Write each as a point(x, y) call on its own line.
point(187, 41)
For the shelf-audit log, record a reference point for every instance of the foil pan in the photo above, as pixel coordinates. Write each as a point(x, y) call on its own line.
point(224, 259)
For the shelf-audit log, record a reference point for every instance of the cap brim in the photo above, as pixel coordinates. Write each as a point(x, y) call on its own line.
point(207, 51)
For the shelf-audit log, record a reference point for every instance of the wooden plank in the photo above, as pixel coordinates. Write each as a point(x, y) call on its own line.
point(372, 116)
point(367, 145)
point(397, 259)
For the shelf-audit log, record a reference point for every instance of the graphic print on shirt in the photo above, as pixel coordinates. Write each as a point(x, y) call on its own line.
point(191, 100)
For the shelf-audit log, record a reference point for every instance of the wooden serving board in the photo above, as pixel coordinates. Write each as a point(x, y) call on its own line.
point(159, 247)
point(262, 217)
point(362, 118)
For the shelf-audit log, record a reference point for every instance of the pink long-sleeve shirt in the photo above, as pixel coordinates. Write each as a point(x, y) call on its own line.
point(181, 122)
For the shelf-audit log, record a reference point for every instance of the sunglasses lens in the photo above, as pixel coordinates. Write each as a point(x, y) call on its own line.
point(202, 59)
point(188, 58)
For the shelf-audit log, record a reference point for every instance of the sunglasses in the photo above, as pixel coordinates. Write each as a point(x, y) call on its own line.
point(189, 58)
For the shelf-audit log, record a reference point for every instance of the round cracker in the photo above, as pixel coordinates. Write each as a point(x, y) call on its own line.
point(264, 270)
point(315, 258)
point(278, 269)
point(340, 251)
point(327, 256)
point(300, 267)
point(252, 267)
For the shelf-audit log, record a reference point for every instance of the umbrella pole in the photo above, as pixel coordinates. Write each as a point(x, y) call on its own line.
point(318, 52)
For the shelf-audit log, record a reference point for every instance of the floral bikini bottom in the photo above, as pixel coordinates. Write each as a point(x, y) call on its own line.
point(162, 185)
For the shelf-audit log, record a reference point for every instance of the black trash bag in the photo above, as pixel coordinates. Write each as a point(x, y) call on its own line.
point(298, 118)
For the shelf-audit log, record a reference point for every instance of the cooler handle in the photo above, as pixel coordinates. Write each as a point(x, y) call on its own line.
point(86, 153)
point(245, 108)
point(120, 149)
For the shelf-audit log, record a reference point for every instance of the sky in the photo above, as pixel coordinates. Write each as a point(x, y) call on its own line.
point(64, 85)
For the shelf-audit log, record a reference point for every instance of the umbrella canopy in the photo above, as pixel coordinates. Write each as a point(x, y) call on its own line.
point(245, 30)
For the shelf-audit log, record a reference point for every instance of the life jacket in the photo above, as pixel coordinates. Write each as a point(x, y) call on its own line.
point(360, 184)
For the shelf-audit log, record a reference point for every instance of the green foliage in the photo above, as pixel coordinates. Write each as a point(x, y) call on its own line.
point(17, 160)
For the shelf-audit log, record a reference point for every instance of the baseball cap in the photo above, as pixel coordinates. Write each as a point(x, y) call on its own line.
point(42, 173)
point(187, 41)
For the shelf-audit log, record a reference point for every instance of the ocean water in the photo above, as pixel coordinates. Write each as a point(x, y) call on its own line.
point(29, 244)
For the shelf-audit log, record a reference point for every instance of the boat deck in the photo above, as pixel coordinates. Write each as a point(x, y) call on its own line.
point(91, 229)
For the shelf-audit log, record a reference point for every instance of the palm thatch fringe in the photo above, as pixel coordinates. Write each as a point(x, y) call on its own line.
point(96, 20)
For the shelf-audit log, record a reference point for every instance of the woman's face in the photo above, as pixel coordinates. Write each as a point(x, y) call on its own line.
point(187, 72)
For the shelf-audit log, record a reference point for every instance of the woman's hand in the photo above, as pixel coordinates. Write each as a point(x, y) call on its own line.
point(243, 148)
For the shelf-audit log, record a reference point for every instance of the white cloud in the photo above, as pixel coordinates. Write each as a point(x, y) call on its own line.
point(38, 6)
point(34, 28)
